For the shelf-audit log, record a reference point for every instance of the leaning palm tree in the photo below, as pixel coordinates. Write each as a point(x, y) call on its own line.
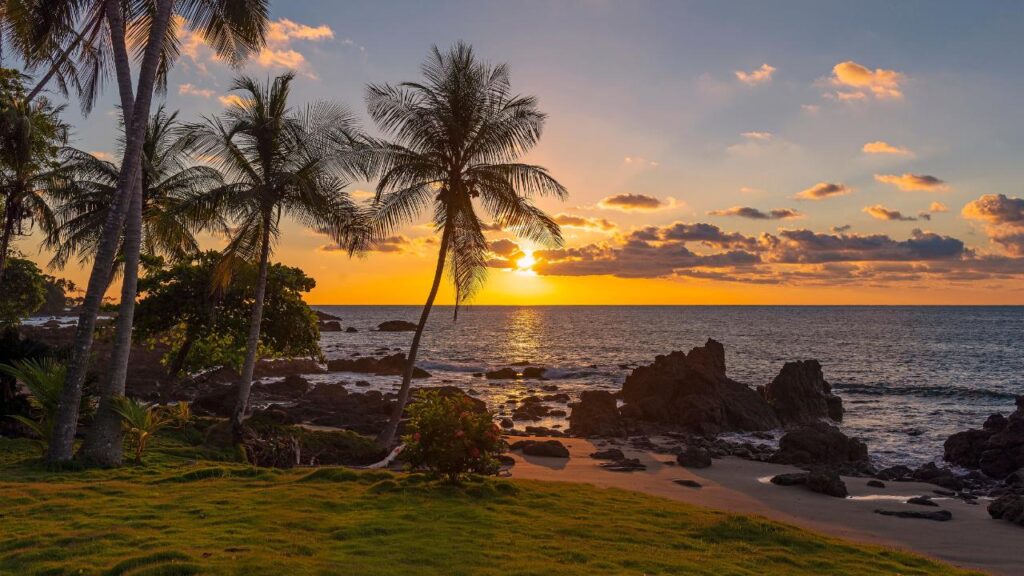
point(174, 190)
point(457, 137)
point(278, 161)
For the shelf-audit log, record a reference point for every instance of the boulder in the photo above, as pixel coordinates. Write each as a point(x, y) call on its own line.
point(997, 449)
point(291, 387)
point(330, 326)
point(790, 479)
point(819, 443)
point(275, 368)
point(691, 391)
point(350, 330)
point(965, 448)
point(534, 372)
point(324, 316)
point(502, 374)
point(624, 465)
point(932, 474)
point(506, 423)
point(596, 414)
point(546, 448)
point(876, 484)
point(694, 457)
point(800, 394)
point(609, 454)
point(922, 501)
point(826, 481)
point(391, 365)
point(1009, 507)
point(219, 401)
point(396, 326)
point(531, 409)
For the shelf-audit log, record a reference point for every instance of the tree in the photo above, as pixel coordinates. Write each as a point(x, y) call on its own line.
point(206, 326)
point(31, 136)
point(24, 291)
point(233, 28)
point(457, 136)
point(278, 161)
point(173, 192)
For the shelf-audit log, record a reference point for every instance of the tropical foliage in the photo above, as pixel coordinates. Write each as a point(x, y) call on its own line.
point(44, 380)
point(449, 437)
point(140, 422)
point(24, 290)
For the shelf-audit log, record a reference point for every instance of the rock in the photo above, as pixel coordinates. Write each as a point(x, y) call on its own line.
point(596, 414)
point(826, 481)
point(534, 372)
point(965, 448)
point(392, 365)
point(555, 397)
point(800, 394)
point(324, 316)
point(819, 443)
point(938, 515)
point(790, 479)
point(1009, 507)
point(502, 374)
point(291, 387)
point(609, 454)
point(351, 330)
point(876, 484)
point(997, 449)
point(541, 431)
point(396, 326)
point(52, 324)
point(506, 423)
point(939, 476)
point(624, 465)
point(330, 326)
point(691, 391)
point(894, 473)
point(286, 367)
point(694, 457)
point(922, 501)
point(217, 402)
point(547, 448)
point(531, 409)
point(688, 483)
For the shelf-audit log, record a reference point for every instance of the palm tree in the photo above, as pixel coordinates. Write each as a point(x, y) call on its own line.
point(233, 28)
point(278, 161)
point(457, 136)
point(173, 192)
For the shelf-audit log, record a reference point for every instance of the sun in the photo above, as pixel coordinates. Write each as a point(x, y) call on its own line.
point(525, 262)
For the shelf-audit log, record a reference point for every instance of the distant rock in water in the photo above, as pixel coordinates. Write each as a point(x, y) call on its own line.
point(393, 365)
point(330, 326)
point(800, 394)
point(997, 449)
point(324, 316)
point(396, 326)
point(692, 391)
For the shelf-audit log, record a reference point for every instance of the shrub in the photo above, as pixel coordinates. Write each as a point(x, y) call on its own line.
point(178, 415)
point(140, 422)
point(44, 380)
point(447, 437)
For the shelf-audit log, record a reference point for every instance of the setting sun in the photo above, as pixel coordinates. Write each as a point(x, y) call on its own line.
point(525, 263)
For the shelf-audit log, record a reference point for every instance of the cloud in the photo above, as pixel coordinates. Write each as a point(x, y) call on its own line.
point(911, 182)
point(584, 223)
point(1004, 217)
point(761, 75)
point(823, 190)
point(881, 147)
point(191, 90)
point(633, 203)
point(841, 229)
point(805, 246)
point(762, 136)
point(755, 214)
point(937, 207)
point(854, 82)
point(880, 212)
point(105, 156)
point(750, 190)
point(504, 247)
point(811, 109)
point(638, 161)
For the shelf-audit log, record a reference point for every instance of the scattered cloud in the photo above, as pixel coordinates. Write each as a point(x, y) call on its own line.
point(913, 182)
point(841, 229)
point(853, 82)
point(761, 136)
point(882, 147)
point(638, 161)
point(823, 190)
point(584, 223)
point(880, 212)
point(755, 214)
point(761, 75)
point(1004, 218)
point(811, 109)
point(635, 203)
point(750, 190)
point(192, 90)
point(937, 207)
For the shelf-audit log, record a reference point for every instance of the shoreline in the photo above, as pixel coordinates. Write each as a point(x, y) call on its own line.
point(970, 540)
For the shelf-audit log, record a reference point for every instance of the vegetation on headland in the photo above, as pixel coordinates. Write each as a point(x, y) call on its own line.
point(190, 511)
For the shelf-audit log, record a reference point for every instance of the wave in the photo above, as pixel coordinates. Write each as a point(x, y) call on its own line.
point(925, 391)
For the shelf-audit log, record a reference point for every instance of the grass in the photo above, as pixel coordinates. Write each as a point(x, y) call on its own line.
point(180, 515)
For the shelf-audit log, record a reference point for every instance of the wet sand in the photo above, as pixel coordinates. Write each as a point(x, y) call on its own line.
point(971, 539)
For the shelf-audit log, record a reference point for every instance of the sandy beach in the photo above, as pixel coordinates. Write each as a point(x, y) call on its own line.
point(971, 539)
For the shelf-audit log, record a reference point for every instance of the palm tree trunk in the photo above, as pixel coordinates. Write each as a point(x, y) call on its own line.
point(61, 446)
point(5, 238)
point(179, 359)
point(104, 444)
point(252, 344)
point(387, 436)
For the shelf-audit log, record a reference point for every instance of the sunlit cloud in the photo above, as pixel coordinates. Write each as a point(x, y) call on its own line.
point(913, 182)
point(192, 90)
point(584, 223)
point(635, 203)
point(854, 82)
point(750, 190)
point(638, 161)
point(880, 212)
point(881, 147)
point(1004, 217)
point(761, 75)
point(761, 136)
point(755, 214)
point(936, 207)
point(823, 190)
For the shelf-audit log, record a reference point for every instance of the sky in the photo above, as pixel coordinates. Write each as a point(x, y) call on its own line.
point(714, 152)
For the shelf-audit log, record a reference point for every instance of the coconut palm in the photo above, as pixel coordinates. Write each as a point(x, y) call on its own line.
point(278, 161)
point(233, 28)
point(173, 189)
point(457, 136)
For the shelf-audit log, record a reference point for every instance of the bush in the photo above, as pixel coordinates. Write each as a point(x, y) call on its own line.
point(44, 380)
point(140, 423)
point(447, 437)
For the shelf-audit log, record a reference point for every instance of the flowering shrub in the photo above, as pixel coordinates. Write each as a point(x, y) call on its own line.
point(446, 436)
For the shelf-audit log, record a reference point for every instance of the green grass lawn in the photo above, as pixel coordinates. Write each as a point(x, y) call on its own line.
point(180, 515)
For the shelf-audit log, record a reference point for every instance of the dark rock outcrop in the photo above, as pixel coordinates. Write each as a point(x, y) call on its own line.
point(330, 326)
point(392, 365)
point(800, 394)
point(291, 387)
point(826, 481)
point(273, 368)
point(596, 414)
point(819, 444)
point(790, 479)
point(997, 449)
point(324, 316)
point(1009, 507)
point(694, 457)
point(609, 454)
point(396, 326)
point(502, 374)
point(691, 391)
point(546, 448)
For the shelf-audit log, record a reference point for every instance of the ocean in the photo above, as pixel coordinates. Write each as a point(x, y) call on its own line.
point(909, 376)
